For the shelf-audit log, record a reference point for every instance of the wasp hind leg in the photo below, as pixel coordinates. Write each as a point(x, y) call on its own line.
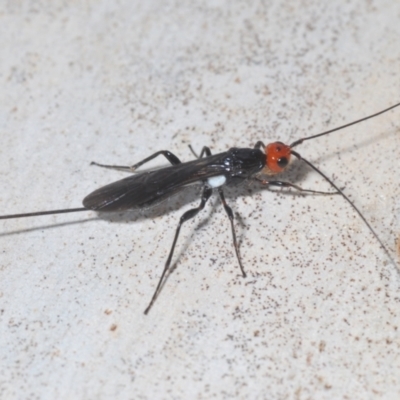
point(229, 212)
point(172, 158)
point(207, 192)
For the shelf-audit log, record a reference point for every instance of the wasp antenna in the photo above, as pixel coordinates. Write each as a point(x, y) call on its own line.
point(37, 214)
point(349, 201)
point(300, 141)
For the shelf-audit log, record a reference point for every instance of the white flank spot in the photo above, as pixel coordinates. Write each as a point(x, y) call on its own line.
point(216, 181)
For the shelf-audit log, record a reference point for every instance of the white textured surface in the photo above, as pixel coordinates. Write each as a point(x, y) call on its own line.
point(318, 315)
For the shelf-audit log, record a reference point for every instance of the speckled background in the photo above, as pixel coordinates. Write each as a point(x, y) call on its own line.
point(113, 81)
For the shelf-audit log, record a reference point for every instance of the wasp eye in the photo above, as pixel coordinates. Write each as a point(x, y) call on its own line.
point(282, 162)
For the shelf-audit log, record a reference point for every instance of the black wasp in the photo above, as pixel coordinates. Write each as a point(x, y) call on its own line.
point(231, 167)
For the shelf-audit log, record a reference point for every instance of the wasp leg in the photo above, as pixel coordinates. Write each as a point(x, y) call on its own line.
point(291, 185)
point(185, 217)
point(231, 218)
point(259, 144)
point(205, 150)
point(172, 158)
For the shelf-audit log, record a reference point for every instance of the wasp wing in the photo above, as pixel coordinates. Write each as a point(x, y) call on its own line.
point(148, 188)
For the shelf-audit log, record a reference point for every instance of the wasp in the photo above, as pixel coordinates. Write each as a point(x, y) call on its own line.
point(261, 163)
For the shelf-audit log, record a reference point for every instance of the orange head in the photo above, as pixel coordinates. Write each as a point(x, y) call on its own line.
point(277, 156)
